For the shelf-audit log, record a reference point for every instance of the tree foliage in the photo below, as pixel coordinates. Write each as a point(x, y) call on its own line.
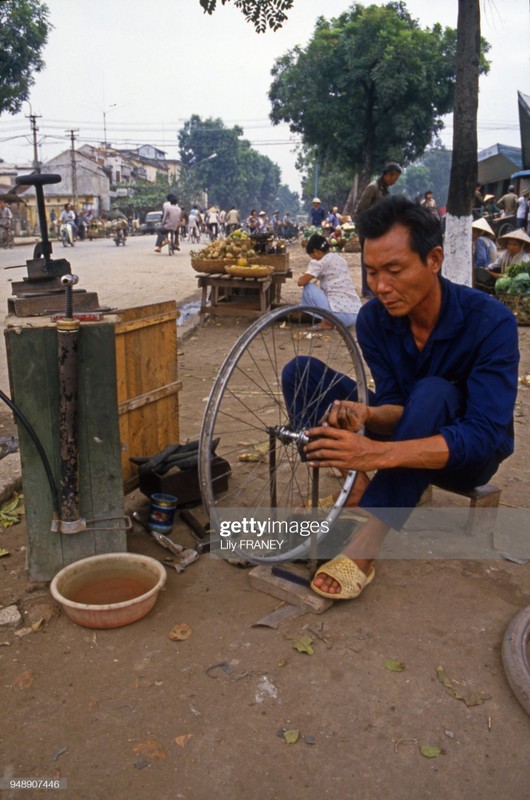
point(371, 86)
point(24, 29)
point(262, 14)
point(238, 175)
point(430, 172)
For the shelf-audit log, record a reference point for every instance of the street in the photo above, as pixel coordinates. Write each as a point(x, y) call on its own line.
point(123, 277)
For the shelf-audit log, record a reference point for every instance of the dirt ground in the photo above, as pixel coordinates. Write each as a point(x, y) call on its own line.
point(129, 713)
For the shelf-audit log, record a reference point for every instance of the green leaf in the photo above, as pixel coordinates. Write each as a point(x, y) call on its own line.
point(394, 666)
point(429, 751)
point(291, 736)
point(304, 645)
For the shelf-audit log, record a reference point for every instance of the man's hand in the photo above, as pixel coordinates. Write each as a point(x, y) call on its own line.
point(343, 449)
point(347, 415)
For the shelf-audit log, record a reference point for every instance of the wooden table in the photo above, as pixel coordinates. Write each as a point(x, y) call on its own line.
point(235, 296)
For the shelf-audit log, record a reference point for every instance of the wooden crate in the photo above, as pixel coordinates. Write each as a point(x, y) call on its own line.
point(147, 382)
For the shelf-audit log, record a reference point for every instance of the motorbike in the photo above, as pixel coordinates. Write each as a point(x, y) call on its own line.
point(66, 233)
point(119, 233)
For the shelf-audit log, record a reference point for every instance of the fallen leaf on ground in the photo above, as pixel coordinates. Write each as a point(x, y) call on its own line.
point(11, 510)
point(150, 749)
point(180, 632)
point(394, 666)
point(429, 751)
point(182, 740)
point(304, 645)
point(472, 700)
point(24, 680)
point(291, 736)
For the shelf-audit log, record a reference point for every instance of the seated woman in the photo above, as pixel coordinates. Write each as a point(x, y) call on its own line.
point(484, 250)
point(336, 292)
point(515, 250)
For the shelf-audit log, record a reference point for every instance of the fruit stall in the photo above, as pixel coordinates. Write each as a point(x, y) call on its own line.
point(240, 275)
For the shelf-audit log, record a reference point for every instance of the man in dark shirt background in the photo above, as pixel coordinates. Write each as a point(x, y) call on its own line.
point(373, 193)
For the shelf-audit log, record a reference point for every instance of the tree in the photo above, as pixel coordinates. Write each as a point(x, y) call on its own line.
point(24, 29)
point(237, 175)
point(430, 172)
point(458, 261)
point(262, 14)
point(370, 87)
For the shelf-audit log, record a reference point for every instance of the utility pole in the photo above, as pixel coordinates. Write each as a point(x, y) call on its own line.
point(72, 133)
point(34, 130)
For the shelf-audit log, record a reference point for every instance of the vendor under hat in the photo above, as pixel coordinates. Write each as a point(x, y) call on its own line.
point(483, 225)
point(519, 235)
point(489, 197)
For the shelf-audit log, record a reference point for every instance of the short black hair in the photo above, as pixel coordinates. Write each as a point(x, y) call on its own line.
point(425, 230)
point(316, 242)
point(391, 167)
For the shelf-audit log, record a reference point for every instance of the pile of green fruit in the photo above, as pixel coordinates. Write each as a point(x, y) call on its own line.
point(516, 280)
point(237, 245)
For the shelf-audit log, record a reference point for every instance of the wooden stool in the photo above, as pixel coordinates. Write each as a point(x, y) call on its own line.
point(483, 506)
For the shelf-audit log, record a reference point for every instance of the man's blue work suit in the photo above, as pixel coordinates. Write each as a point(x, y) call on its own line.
point(461, 385)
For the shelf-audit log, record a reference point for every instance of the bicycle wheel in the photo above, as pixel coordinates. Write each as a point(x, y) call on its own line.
point(171, 243)
point(257, 467)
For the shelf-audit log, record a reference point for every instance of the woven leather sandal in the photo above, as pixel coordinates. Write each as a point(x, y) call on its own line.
point(352, 580)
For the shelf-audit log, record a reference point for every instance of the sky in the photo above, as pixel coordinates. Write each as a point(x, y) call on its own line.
point(145, 68)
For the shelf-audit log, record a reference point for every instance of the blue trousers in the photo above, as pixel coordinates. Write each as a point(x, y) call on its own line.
point(433, 403)
point(315, 296)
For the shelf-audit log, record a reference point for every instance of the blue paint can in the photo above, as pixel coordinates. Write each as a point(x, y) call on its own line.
point(162, 512)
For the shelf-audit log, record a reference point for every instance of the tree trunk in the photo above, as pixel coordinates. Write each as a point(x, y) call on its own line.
point(458, 264)
point(362, 179)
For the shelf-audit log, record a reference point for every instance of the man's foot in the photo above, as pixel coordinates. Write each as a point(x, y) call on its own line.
point(158, 250)
point(323, 326)
point(165, 242)
point(342, 578)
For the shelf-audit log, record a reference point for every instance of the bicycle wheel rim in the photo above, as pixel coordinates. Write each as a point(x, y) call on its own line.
point(262, 402)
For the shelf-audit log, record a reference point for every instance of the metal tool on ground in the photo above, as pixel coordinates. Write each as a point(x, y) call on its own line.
point(184, 555)
point(200, 532)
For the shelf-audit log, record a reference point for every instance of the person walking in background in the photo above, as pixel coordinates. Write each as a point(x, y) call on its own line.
point(428, 202)
point(222, 222)
point(233, 220)
point(194, 234)
point(336, 292)
point(253, 221)
point(478, 202)
point(521, 212)
point(508, 202)
point(317, 214)
point(490, 208)
point(376, 191)
point(213, 222)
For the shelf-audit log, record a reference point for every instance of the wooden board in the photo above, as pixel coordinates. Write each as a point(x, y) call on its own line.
point(261, 578)
point(147, 382)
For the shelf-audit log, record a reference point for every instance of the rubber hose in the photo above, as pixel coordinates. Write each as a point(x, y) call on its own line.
point(40, 450)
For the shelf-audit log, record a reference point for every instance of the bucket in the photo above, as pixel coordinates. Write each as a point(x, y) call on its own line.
point(162, 512)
